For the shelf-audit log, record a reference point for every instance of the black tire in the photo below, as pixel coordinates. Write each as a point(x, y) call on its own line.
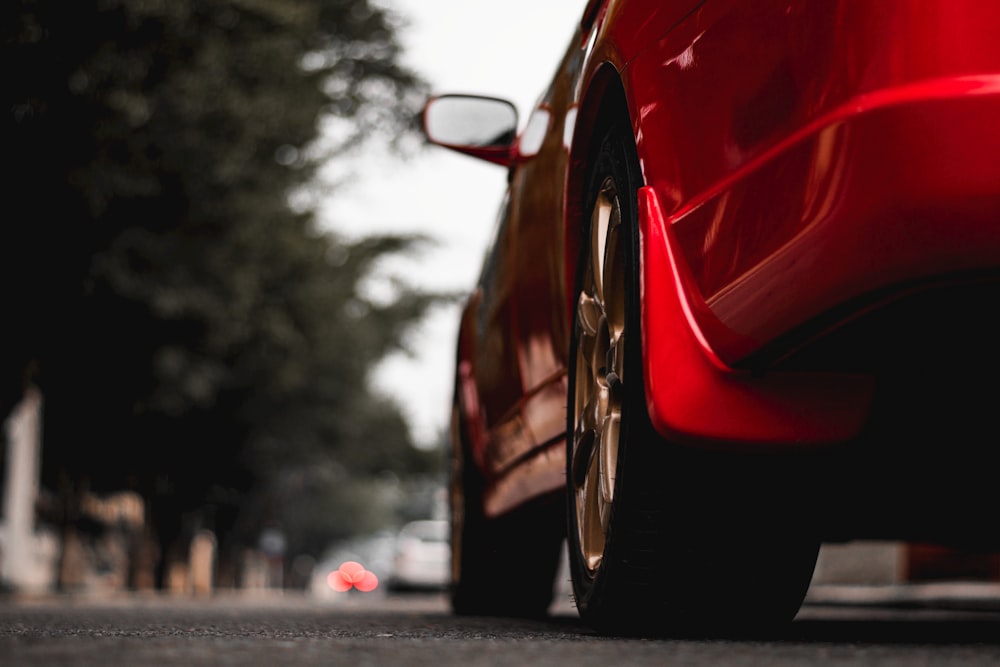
point(662, 539)
point(503, 566)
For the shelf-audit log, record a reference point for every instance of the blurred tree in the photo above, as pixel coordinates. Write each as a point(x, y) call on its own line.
point(196, 336)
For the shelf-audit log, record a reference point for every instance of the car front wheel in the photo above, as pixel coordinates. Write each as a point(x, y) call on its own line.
point(662, 538)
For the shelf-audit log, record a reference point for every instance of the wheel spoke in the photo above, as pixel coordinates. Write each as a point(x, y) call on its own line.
point(588, 311)
point(599, 356)
point(584, 436)
point(593, 529)
point(598, 236)
point(613, 274)
point(608, 455)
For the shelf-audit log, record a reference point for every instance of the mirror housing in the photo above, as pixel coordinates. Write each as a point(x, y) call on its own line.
point(483, 127)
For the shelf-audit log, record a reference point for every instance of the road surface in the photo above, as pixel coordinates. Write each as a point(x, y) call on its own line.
point(379, 630)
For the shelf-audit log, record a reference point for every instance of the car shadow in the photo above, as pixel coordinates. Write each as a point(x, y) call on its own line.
point(839, 624)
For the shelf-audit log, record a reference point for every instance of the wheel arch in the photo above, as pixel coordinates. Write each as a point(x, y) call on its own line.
point(602, 102)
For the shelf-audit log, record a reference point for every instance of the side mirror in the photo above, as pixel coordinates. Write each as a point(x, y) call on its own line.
point(483, 127)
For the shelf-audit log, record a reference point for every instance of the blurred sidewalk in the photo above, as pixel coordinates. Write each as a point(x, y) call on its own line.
point(950, 595)
point(894, 574)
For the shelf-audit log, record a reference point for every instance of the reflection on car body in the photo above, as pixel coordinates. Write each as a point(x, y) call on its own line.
point(739, 303)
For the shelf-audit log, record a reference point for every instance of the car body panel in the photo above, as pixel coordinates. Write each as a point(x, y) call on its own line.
point(804, 162)
point(756, 172)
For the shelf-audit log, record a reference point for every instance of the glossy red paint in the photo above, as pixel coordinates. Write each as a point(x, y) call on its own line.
point(834, 100)
point(693, 396)
point(805, 164)
point(855, 157)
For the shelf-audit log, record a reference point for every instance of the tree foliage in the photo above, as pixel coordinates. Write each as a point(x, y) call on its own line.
point(195, 335)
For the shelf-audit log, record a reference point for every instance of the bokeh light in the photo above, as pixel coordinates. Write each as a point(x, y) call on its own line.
point(350, 575)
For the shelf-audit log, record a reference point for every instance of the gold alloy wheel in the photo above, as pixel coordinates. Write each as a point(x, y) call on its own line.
point(599, 373)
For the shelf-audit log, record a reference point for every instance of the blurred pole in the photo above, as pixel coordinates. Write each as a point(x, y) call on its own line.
point(24, 438)
point(202, 563)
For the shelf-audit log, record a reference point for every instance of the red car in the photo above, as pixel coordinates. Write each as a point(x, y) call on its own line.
point(742, 299)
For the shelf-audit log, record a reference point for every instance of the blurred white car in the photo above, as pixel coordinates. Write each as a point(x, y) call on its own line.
point(422, 559)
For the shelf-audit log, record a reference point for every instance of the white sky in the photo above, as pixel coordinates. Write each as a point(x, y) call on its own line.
point(504, 48)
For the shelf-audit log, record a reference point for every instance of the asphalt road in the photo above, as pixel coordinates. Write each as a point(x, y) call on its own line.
point(838, 629)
